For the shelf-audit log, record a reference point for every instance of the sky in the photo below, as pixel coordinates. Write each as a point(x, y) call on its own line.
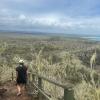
point(55, 16)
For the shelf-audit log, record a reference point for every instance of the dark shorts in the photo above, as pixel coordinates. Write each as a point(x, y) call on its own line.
point(21, 81)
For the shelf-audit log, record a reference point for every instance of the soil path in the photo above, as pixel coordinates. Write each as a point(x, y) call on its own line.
point(11, 92)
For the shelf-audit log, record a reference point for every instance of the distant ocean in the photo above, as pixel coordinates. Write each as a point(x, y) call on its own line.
point(92, 38)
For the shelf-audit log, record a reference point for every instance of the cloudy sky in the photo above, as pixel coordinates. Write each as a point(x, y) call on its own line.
point(62, 16)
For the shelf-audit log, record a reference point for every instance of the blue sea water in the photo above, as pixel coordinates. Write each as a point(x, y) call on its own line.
point(93, 38)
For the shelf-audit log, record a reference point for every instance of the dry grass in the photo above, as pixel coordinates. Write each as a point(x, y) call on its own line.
point(56, 64)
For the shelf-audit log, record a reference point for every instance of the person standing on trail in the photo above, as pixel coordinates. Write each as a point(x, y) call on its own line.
point(21, 76)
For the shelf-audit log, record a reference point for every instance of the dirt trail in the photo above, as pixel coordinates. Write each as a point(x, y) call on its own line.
point(12, 91)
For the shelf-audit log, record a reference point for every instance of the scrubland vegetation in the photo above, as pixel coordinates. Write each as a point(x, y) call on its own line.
point(61, 59)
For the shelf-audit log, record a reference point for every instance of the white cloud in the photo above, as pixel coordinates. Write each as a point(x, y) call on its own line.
point(54, 21)
point(22, 17)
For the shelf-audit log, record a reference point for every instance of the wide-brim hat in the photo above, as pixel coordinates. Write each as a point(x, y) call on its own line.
point(21, 61)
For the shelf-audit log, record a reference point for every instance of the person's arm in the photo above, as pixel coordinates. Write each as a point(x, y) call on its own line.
point(16, 74)
point(26, 68)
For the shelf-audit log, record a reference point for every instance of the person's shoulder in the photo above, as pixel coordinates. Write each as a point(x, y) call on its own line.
point(25, 67)
point(17, 68)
